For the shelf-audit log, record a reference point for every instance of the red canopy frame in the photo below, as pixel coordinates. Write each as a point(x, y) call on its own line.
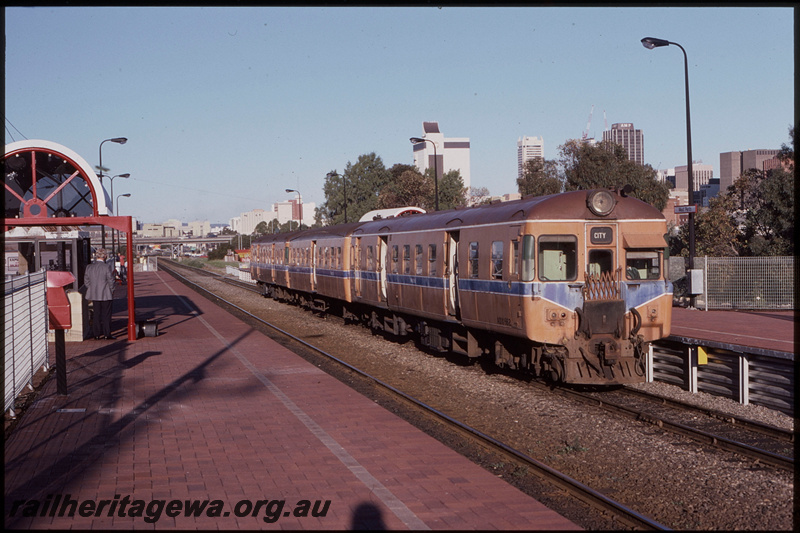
point(123, 224)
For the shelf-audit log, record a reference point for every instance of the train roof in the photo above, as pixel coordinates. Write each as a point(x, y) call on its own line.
point(572, 205)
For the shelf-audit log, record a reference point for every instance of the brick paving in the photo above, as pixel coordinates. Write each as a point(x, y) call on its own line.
point(769, 330)
point(211, 409)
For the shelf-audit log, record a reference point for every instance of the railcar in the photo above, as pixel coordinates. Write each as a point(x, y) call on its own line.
point(571, 286)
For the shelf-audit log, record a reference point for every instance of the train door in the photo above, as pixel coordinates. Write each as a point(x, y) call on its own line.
point(383, 261)
point(355, 266)
point(313, 260)
point(271, 261)
point(451, 271)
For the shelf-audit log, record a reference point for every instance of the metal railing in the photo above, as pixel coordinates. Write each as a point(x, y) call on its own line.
point(26, 348)
point(739, 282)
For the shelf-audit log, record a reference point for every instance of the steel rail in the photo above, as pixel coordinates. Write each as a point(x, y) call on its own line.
point(750, 425)
point(573, 486)
point(780, 461)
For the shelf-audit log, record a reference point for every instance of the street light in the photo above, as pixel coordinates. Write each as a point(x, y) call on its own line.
point(418, 140)
point(300, 209)
point(126, 175)
point(344, 183)
point(118, 140)
point(113, 245)
point(650, 43)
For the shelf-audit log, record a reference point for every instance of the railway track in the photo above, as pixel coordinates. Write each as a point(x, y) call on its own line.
point(762, 443)
point(622, 514)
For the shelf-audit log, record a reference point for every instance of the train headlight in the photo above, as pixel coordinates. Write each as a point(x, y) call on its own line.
point(601, 203)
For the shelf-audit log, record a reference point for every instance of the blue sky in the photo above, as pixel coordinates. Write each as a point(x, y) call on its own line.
point(224, 108)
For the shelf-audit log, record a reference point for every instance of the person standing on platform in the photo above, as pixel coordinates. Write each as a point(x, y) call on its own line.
point(99, 281)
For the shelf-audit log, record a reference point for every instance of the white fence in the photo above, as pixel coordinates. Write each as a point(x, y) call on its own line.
point(26, 348)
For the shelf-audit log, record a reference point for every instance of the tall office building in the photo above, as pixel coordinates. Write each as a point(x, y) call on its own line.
point(451, 154)
point(527, 149)
point(732, 164)
point(629, 138)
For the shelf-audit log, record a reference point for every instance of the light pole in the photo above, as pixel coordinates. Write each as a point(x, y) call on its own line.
point(126, 175)
point(118, 140)
point(344, 184)
point(418, 140)
point(300, 209)
point(650, 43)
point(113, 246)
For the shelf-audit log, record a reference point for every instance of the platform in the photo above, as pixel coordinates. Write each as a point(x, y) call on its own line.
point(211, 410)
point(762, 331)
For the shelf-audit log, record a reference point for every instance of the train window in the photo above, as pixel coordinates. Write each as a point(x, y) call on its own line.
point(339, 257)
point(370, 258)
point(601, 261)
point(558, 257)
point(406, 259)
point(431, 259)
point(395, 258)
point(528, 256)
point(643, 265)
point(418, 260)
point(497, 259)
point(473, 259)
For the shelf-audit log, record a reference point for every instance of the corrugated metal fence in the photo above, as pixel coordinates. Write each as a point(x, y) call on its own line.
point(26, 348)
point(740, 282)
point(762, 378)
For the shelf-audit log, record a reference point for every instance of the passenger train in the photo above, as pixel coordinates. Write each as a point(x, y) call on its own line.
point(570, 286)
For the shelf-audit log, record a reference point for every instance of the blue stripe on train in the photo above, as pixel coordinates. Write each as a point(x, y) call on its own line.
point(565, 294)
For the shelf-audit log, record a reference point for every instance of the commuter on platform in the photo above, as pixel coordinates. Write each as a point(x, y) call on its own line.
point(99, 281)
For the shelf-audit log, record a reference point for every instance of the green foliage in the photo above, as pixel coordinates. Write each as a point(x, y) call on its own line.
point(220, 252)
point(452, 192)
point(606, 165)
point(539, 178)
point(409, 188)
point(363, 181)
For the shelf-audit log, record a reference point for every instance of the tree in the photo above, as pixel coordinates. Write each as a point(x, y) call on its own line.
point(261, 228)
point(478, 195)
point(764, 205)
point(409, 188)
point(539, 178)
point(365, 179)
point(606, 165)
point(715, 231)
point(452, 193)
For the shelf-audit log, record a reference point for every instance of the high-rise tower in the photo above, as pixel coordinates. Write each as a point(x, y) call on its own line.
point(527, 149)
point(629, 138)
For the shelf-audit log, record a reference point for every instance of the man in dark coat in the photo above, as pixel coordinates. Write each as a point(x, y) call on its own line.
point(99, 282)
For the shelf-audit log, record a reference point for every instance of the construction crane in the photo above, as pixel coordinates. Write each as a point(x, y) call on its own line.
point(588, 124)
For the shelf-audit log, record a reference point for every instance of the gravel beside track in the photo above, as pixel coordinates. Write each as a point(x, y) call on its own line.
point(671, 479)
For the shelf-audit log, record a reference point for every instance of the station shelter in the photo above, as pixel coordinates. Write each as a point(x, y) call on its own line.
point(51, 191)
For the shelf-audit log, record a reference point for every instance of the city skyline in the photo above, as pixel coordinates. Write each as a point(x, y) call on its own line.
point(225, 108)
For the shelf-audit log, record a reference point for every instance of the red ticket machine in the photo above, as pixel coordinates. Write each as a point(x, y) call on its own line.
point(58, 306)
point(60, 314)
